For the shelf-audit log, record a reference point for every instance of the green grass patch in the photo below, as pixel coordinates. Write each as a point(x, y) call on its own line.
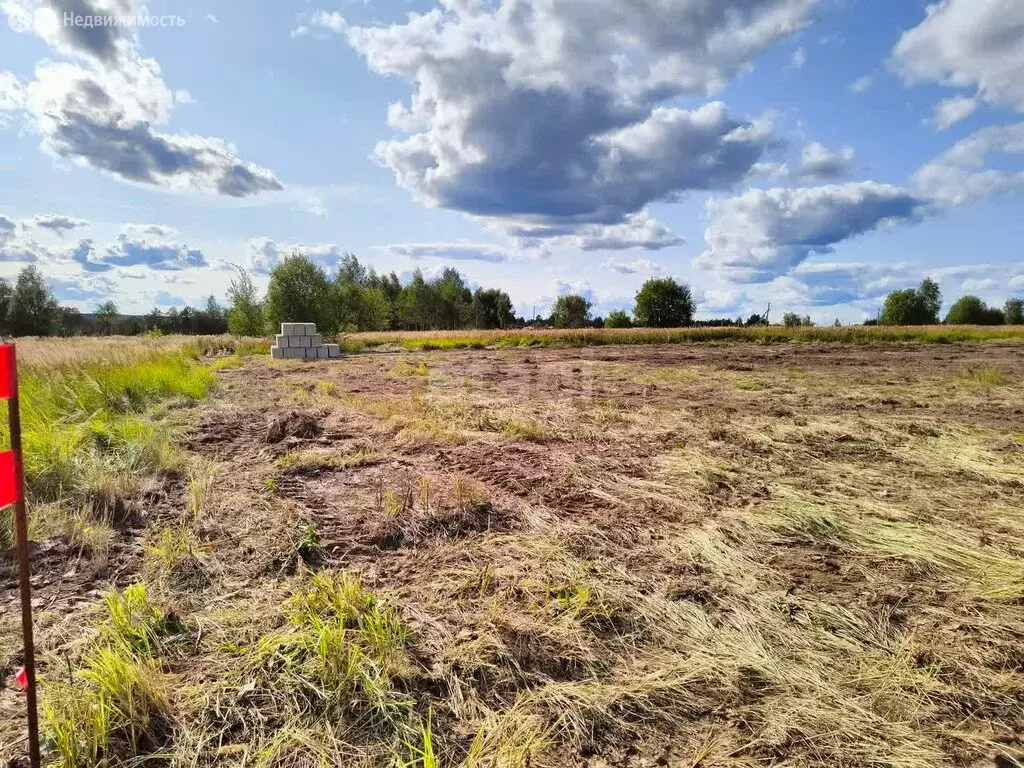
point(84, 422)
point(986, 376)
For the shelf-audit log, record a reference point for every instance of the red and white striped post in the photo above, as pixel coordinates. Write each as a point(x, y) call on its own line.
point(12, 491)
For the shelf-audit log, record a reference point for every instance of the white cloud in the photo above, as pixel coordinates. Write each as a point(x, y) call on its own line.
point(798, 59)
point(968, 43)
point(82, 289)
point(949, 112)
point(555, 115)
point(56, 223)
point(631, 267)
point(456, 251)
point(264, 254)
point(320, 21)
point(211, 18)
point(12, 92)
point(762, 234)
point(100, 109)
point(861, 84)
point(140, 245)
point(638, 230)
point(18, 245)
point(819, 164)
point(958, 176)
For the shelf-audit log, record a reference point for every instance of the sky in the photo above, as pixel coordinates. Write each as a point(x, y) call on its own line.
point(814, 154)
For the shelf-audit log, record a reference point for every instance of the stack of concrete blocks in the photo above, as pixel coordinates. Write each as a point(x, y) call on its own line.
point(300, 341)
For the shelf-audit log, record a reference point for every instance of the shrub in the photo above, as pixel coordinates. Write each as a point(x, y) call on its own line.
point(970, 310)
point(617, 318)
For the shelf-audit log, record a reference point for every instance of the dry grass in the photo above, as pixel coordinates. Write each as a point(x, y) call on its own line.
point(939, 334)
point(713, 559)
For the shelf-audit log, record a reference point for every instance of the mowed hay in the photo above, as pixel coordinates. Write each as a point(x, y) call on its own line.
point(744, 556)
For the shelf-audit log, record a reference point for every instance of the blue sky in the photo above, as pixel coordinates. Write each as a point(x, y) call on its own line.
point(811, 153)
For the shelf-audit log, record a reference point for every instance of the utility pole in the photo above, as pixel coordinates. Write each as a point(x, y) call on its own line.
point(767, 312)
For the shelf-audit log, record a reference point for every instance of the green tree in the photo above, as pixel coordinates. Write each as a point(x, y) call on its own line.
point(571, 311)
point(154, 320)
point(931, 298)
point(793, 320)
point(70, 322)
point(663, 303)
point(918, 306)
point(617, 318)
point(1013, 311)
point(245, 315)
point(106, 314)
point(971, 310)
point(491, 308)
point(34, 309)
point(299, 293)
point(6, 292)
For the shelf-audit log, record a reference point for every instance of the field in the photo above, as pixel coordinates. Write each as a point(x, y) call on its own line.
point(545, 554)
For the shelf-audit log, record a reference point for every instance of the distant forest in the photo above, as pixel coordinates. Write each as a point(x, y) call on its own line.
point(357, 298)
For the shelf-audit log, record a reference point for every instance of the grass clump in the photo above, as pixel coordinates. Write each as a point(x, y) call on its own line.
point(986, 376)
point(135, 623)
point(118, 704)
point(339, 652)
point(314, 459)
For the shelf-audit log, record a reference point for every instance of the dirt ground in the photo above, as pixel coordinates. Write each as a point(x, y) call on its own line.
point(728, 555)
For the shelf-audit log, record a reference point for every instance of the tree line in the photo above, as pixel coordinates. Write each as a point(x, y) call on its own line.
point(357, 298)
point(922, 306)
point(29, 308)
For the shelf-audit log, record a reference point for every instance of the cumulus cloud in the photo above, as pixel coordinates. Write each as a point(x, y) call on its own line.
point(949, 112)
point(151, 246)
point(99, 109)
point(82, 288)
point(17, 245)
point(762, 234)
point(713, 300)
point(819, 164)
point(265, 254)
point(631, 267)
point(798, 59)
point(959, 176)
point(829, 284)
point(548, 115)
point(968, 43)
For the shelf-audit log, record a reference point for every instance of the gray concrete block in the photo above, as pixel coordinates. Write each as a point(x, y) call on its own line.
point(310, 353)
point(315, 340)
point(293, 329)
point(277, 353)
point(321, 352)
point(301, 341)
point(281, 340)
point(333, 350)
point(291, 353)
